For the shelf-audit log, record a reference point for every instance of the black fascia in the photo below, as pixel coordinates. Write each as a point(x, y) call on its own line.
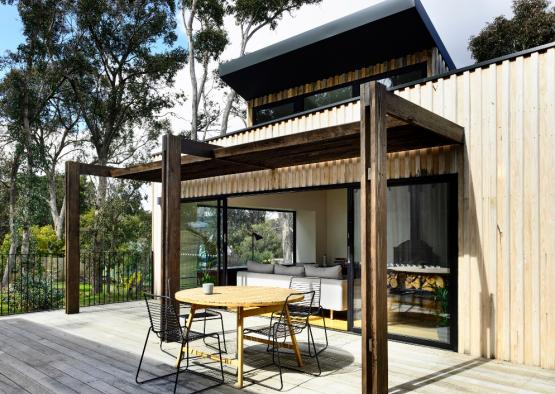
point(385, 31)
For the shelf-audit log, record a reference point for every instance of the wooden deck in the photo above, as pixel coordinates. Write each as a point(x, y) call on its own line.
point(97, 351)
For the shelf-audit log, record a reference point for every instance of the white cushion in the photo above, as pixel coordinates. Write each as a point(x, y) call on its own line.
point(324, 272)
point(333, 295)
point(289, 270)
point(262, 268)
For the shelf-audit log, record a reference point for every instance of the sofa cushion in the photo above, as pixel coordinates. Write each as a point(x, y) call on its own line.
point(289, 270)
point(324, 272)
point(260, 268)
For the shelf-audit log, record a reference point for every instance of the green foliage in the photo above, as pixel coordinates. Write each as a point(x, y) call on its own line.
point(36, 290)
point(207, 277)
point(533, 24)
point(124, 224)
point(265, 12)
point(120, 73)
point(43, 242)
point(441, 297)
point(242, 223)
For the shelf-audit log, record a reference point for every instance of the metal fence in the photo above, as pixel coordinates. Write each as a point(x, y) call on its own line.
point(31, 283)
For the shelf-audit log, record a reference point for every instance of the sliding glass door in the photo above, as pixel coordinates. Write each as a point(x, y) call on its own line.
point(217, 240)
point(201, 242)
point(421, 260)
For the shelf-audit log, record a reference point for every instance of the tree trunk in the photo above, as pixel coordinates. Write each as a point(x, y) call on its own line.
point(57, 216)
point(286, 238)
point(98, 251)
point(195, 97)
point(12, 223)
point(227, 111)
point(231, 96)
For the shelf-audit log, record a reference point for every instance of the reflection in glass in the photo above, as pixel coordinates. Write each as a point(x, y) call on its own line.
point(418, 261)
point(326, 98)
point(419, 268)
point(199, 243)
point(263, 236)
point(268, 114)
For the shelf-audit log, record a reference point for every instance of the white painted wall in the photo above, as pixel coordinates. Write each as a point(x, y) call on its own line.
point(156, 192)
point(336, 224)
point(311, 218)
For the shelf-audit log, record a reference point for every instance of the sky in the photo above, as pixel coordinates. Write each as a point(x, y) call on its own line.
point(455, 21)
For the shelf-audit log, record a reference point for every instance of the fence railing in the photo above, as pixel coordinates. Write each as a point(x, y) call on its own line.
point(30, 283)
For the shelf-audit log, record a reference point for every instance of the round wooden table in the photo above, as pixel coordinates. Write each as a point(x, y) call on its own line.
point(248, 301)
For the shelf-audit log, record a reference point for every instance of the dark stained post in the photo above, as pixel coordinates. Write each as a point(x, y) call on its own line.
point(373, 237)
point(171, 212)
point(72, 255)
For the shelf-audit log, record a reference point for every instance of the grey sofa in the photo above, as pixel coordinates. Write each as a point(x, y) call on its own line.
point(333, 294)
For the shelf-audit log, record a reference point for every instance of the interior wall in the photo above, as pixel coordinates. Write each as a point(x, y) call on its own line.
point(311, 218)
point(336, 224)
point(156, 190)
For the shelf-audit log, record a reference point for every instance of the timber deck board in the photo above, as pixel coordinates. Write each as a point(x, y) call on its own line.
point(97, 351)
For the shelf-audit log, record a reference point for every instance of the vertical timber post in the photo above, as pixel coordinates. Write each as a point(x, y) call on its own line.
point(72, 252)
point(171, 212)
point(373, 233)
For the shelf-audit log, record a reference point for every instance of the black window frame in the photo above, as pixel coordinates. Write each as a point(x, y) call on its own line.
point(298, 101)
point(228, 207)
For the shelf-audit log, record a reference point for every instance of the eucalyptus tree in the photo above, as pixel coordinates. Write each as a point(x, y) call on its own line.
point(251, 16)
point(30, 97)
point(207, 39)
point(533, 24)
point(121, 64)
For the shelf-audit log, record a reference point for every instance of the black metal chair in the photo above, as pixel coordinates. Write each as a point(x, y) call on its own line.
point(164, 323)
point(278, 331)
point(203, 315)
point(304, 284)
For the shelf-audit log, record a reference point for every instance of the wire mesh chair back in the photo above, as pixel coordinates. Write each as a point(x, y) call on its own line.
point(164, 321)
point(305, 285)
point(300, 311)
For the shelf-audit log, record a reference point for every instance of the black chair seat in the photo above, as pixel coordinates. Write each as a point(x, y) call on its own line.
point(277, 330)
point(206, 314)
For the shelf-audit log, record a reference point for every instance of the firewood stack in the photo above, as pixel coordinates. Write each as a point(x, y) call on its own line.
point(414, 281)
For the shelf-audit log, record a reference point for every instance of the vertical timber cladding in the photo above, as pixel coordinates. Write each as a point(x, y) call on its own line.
point(432, 58)
point(506, 195)
point(506, 219)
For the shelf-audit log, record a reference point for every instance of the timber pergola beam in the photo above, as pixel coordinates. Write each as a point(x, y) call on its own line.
point(388, 123)
point(376, 105)
point(73, 172)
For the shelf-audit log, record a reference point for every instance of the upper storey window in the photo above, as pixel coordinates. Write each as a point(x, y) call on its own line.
point(337, 94)
point(318, 100)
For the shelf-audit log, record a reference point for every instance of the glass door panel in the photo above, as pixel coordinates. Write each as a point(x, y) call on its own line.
point(421, 261)
point(356, 299)
point(200, 243)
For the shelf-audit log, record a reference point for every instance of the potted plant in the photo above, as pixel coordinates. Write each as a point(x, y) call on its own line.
point(207, 283)
point(441, 297)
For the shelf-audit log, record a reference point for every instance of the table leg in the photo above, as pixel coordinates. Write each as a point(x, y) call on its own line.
point(239, 383)
point(294, 339)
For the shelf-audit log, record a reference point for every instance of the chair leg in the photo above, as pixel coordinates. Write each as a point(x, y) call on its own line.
point(325, 331)
point(179, 358)
point(142, 356)
point(269, 334)
point(220, 353)
point(275, 348)
point(223, 334)
point(315, 352)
